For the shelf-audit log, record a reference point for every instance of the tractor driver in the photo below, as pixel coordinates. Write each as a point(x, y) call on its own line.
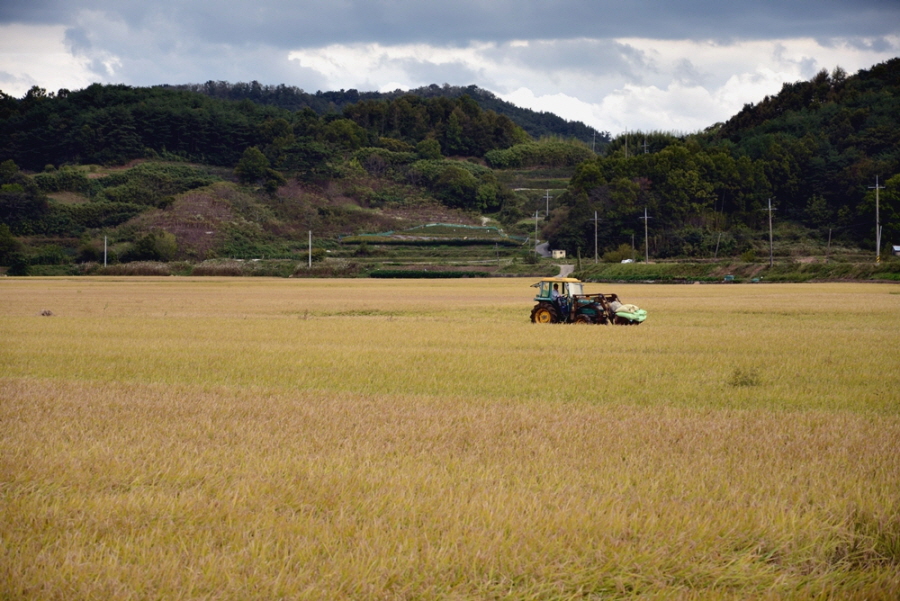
point(560, 300)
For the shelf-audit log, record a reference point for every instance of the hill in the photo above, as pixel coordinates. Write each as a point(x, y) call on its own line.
point(174, 175)
point(815, 150)
point(178, 175)
point(537, 124)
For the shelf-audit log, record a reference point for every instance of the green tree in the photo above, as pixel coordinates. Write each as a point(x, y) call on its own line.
point(345, 134)
point(273, 181)
point(156, 245)
point(8, 169)
point(453, 134)
point(9, 245)
point(587, 177)
point(308, 160)
point(252, 167)
point(429, 149)
point(571, 228)
point(457, 187)
point(22, 205)
point(818, 214)
point(888, 210)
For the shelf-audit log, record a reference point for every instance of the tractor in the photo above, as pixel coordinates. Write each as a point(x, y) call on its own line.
point(562, 300)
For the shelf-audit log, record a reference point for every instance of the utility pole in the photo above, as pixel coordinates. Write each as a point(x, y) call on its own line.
point(877, 222)
point(309, 264)
point(536, 230)
point(595, 236)
point(104, 251)
point(770, 209)
point(646, 237)
point(547, 197)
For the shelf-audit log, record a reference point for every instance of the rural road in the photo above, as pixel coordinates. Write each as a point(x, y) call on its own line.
point(544, 250)
point(565, 271)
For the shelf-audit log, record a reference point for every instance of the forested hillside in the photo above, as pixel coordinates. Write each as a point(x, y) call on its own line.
point(168, 174)
point(175, 174)
point(816, 150)
point(115, 124)
point(537, 124)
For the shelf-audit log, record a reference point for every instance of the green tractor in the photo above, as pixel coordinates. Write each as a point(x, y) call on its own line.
point(562, 300)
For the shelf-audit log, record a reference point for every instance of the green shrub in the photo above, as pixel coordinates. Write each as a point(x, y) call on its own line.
point(153, 183)
point(620, 254)
point(65, 179)
point(395, 145)
point(151, 268)
point(50, 254)
point(18, 264)
point(100, 214)
point(156, 245)
point(549, 152)
point(429, 149)
point(9, 245)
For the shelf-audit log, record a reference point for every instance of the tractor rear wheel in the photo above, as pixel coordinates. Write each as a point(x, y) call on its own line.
point(544, 314)
point(584, 320)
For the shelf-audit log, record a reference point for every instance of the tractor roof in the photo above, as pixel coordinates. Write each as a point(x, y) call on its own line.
point(558, 280)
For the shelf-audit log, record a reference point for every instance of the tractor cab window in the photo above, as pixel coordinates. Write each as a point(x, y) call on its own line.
point(566, 289)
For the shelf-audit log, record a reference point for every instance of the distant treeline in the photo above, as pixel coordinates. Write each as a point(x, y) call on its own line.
point(538, 124)
point(112, 124)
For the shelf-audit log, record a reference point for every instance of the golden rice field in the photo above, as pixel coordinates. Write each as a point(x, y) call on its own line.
point(178, 438)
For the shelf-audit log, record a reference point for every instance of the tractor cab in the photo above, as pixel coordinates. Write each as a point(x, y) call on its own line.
point(568, 287)
point(555, 308)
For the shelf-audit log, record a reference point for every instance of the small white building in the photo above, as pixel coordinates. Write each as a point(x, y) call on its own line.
point(895, 250)
point(558, 254)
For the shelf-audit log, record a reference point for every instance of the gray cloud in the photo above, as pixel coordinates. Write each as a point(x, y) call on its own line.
point(878, 44)
point(307, 23)
point(425, 73)
point(246, 39)
point(611, 62)
point(686, 73)
point(581, 55)
point(9, 80)
point(78, 40)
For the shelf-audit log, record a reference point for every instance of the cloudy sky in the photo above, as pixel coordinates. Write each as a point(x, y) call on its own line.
point(615, 64)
